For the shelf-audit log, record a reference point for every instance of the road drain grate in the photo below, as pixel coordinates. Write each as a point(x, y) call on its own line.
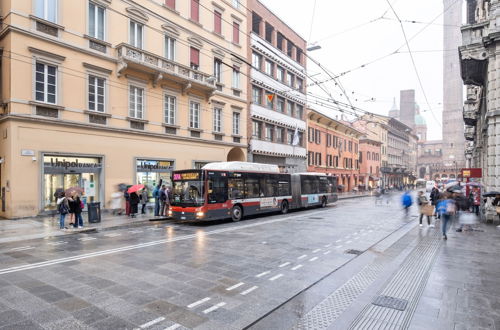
point(391, 302)
point(351, 251)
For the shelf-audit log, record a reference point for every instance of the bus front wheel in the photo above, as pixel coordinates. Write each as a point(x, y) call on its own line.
point(236, 213)
point(284, 207)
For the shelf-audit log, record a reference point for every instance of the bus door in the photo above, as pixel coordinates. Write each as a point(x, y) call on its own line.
point(217, 194)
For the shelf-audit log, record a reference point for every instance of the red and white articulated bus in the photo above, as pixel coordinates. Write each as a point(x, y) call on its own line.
point(236, 189)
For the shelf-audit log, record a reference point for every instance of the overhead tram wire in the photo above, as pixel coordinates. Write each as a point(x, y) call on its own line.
point(397, 51)
point(414, 65)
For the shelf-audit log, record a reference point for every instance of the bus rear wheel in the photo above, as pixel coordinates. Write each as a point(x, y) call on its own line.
point(284, 207)
point(323, 202)
point(236, 213)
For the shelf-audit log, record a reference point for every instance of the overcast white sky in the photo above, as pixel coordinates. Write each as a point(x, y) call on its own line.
point(343, 50)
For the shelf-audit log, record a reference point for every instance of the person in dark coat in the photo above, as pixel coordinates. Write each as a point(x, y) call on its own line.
point(134, 204)
point(126, 195)
point(434, 197)
point(77, 209)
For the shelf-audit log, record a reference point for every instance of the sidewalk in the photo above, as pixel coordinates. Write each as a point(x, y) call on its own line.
point(42, 227)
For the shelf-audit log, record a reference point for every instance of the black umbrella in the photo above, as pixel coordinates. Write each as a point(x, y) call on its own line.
point(491, 194)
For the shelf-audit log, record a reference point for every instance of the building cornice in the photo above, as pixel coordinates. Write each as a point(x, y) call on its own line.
point(58, 42)
point(59, 122)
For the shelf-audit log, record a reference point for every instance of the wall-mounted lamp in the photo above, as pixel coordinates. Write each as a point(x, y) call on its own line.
point(33, 158)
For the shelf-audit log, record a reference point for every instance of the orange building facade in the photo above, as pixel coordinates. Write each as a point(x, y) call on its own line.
point(369, 163)
point(333, 148)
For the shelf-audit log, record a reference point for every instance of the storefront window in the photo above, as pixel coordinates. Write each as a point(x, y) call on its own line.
point(150, 172)
point(64, 172)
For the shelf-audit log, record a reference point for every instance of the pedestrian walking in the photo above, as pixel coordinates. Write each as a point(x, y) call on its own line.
point(163, 199)
point(447, 209)
point(126, 195)
point(476, 200)
point(156, 196)
point(496, 204)
point(407, 202)
point(77, 209)
point(144, 199)
point(423, 204)
point(134, 204)
point(63, 209)
point(117, 202)
point(434, 198)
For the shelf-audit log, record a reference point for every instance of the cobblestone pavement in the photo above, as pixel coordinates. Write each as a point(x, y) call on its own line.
point(224, 275)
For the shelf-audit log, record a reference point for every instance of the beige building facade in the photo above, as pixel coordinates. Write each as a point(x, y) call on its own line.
point(122, 92)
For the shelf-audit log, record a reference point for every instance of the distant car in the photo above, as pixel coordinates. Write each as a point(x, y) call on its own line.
point(429, 185)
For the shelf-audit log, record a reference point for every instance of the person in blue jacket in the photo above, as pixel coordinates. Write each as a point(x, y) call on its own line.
point(407, 202)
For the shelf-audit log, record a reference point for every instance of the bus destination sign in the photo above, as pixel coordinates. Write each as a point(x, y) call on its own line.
point(187, 176)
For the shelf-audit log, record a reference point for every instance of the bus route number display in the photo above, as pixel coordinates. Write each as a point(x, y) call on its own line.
point(187, 176)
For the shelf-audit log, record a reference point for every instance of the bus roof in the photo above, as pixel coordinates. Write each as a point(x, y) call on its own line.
point(312, 173)
point(242, 166)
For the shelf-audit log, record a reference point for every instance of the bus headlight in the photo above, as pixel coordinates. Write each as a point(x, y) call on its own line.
point(200, 214)
point(170, 213)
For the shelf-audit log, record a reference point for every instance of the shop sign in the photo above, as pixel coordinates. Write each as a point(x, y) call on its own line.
point(26, 152)
point(144, 165)
point(71, 162)
point(472, 173)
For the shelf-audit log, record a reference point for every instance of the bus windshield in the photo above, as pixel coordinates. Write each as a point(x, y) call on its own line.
point(187, 189)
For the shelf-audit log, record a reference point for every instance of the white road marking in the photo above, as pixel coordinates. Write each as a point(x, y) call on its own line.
point(135, 231)
point(275, 277)
point(22, 248)
point(144, 245)
point(297, 267)
point(348, 236)
point(235, 286)
point(338, 241)
point(284, 265)
point(316, 251)
point(338, 246)
point(249, 290)
point(264, 242)
point(327, 252)
point(263, 274)
point(313, 259)
point(150, 323)
point(328, 245)
point(357, 237)
point(214, 307)
point(199, 302)
point(155, 228)
point(113, 235)
point(87, 238)
point(348, 242)
point(302, 256)
point(57, 243)
point(173, 327)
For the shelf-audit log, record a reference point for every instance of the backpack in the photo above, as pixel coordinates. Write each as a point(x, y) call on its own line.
point(63, 208)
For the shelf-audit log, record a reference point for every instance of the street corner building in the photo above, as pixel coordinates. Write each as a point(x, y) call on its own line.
point(479, 62)
point(277, 91)
point(98, 92)
point(333, 148)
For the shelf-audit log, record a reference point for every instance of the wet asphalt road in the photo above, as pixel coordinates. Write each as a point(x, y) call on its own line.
point(221, 275)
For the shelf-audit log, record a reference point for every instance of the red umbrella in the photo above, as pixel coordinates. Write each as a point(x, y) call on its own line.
point(135, 188)
point(70, 191)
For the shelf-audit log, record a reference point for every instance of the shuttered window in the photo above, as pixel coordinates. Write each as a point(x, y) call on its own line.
point(195, 58)
point(236, 33)
point(217, 22)
point(170, 3)
point(195, 10)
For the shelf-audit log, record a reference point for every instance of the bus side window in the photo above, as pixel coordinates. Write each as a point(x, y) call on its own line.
point(217, 192)
point(235, 188)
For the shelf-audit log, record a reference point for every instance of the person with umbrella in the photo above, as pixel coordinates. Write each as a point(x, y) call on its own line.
point(134, 199)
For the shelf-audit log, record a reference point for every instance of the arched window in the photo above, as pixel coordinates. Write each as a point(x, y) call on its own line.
point(371, 170)
point(377, 171)
point(368, 155)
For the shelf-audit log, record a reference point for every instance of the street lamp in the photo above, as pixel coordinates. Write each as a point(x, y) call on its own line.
point(313, 48)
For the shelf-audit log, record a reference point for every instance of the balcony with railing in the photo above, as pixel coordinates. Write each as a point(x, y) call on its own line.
point(133, 58)
point(470, 133)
